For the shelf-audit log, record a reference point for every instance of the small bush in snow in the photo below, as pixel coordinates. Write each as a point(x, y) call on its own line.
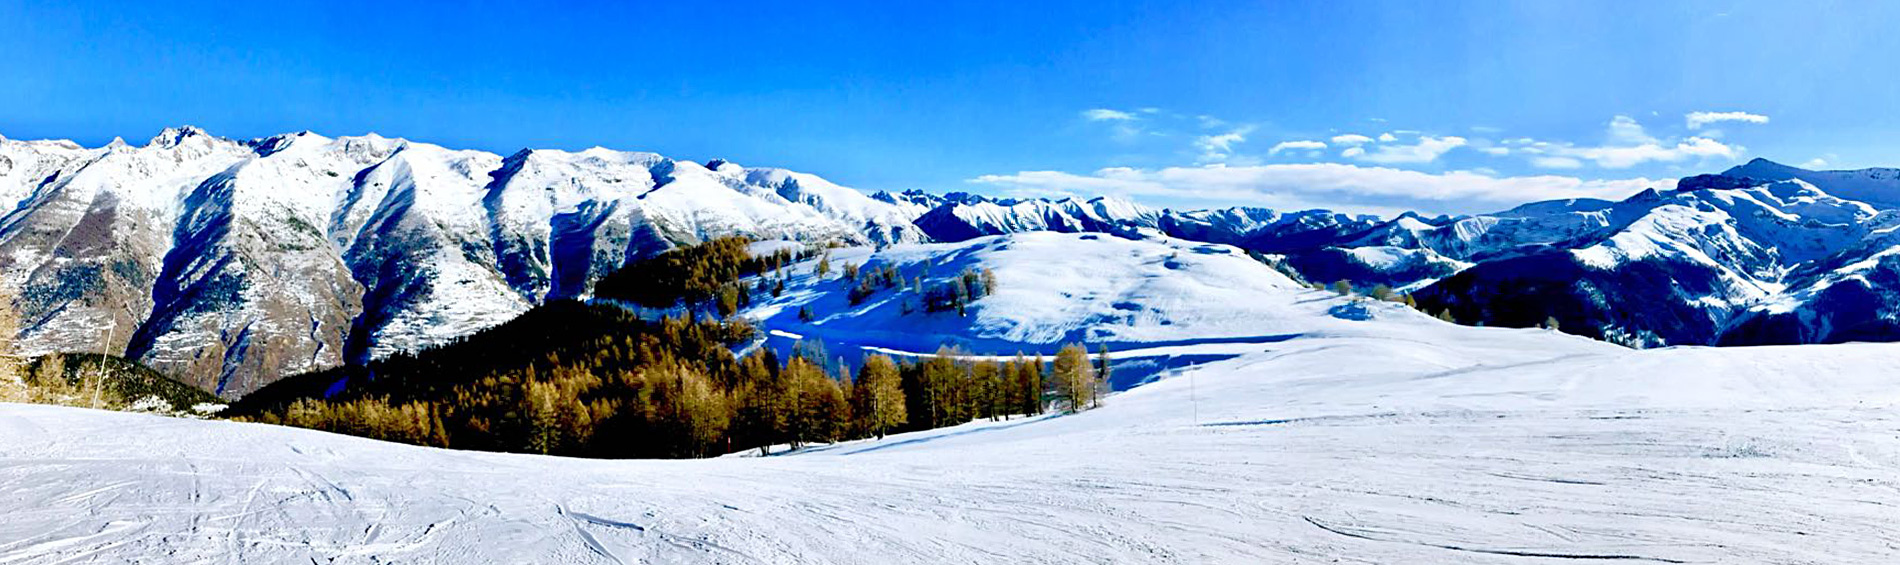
point(150, 404)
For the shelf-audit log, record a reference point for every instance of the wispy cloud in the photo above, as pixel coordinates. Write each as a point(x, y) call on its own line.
point(1550, 162)
point(1351, 139)
point(1296, 145)
point(1625, 131)
point(1425, 150)
point(1123, 126)
point(1333, 185)
point(1628, 145)
point(1696, 120)
point(1217, 148)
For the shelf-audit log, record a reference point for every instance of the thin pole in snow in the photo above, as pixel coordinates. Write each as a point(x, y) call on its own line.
point(1194, 399)
point(105, 346)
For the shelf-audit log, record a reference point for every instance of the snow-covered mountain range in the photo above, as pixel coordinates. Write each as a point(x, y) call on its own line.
point(1763, 253)
point(231, 262)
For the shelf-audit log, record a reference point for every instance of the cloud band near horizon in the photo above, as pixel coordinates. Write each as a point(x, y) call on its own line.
point(1337, 186)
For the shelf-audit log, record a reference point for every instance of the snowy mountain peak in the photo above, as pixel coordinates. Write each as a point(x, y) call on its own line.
point(1877, 186)
point(174, 136)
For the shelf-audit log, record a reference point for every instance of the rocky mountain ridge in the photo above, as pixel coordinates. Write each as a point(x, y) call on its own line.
point(232, 262)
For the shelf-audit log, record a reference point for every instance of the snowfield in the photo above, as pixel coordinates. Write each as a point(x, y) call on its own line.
point(1385, 438)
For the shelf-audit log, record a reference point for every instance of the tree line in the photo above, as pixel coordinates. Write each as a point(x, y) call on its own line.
point(666, 389)
point(698, 274)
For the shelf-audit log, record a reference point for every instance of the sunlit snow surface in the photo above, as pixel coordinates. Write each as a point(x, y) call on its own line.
point(1396, 439)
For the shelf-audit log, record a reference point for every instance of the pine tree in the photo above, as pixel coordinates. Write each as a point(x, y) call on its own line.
point(728, 301)
point(880, 395)
point(543, 418)
point(1101, 374)
point(1550, 323)
point(822, 407)
point(688, 412)
point(824, 265)
point(1075, 379)
point(987, 385)
point(1343, 287)
point(943, 387)
point(12, 386)
point(1035, 377)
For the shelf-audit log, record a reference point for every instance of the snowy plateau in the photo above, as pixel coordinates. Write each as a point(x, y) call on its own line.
point(1256, 420)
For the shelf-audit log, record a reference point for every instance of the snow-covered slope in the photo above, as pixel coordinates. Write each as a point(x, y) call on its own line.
point(231, 262)
point(1877, 186)
point(964, 216)
point(1677, 267)
point(1388, 437)
point(1052, 288)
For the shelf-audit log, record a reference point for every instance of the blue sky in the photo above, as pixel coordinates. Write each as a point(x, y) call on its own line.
point(1463, 107)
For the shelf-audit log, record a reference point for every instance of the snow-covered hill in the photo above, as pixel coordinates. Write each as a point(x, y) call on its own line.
point(1381, 436)
point(232, 262)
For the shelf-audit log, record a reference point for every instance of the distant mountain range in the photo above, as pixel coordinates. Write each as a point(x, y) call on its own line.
point(231, 262)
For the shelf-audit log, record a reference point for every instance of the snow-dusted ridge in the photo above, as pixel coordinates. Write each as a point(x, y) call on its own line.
point(231, 262)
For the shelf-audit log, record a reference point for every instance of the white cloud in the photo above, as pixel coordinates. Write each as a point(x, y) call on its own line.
point(1217, 148)
point(1629, 145)
point(1698, 119)
point(1816, 163)
point(1334, 185)
point(1351, 152)
point(1625, 131)
point(1426, 150)
point(1106, 115)
point(1556, 162)
point(1496, 150)
point(1625, 157)
point(1295, 145)
point(1351, 139)
point(1388, 137)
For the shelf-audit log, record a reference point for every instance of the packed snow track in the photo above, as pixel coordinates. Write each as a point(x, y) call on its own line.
point(1407, 442)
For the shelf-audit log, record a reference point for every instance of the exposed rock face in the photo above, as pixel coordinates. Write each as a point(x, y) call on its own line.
point(229, 263)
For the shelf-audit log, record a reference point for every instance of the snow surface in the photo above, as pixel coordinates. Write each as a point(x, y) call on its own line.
point(1389, 438)
point(1053, 288)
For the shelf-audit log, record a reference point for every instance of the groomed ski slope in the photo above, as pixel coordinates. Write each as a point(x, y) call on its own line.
point(1390, 439)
